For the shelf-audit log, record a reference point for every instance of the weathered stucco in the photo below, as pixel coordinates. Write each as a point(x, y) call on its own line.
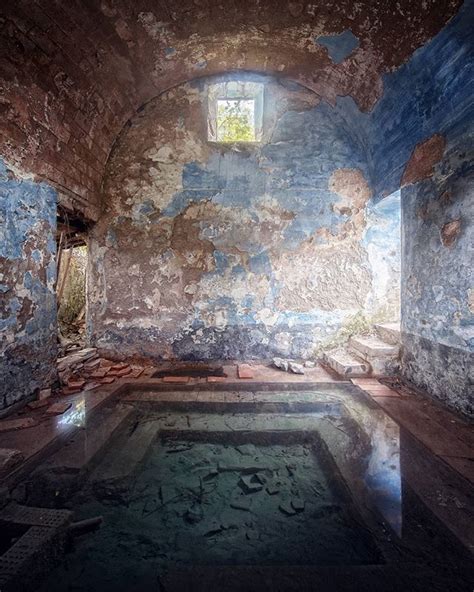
point(202, 251)
point(243, 251)
point(438, 321)
point(73, 73)
point(27, 276)
point(422, 138)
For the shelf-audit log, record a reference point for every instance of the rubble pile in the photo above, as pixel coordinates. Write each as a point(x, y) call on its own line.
point(84, 370)
point(288, 366)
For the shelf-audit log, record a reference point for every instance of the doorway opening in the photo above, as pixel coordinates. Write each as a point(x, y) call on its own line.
point(72, 254)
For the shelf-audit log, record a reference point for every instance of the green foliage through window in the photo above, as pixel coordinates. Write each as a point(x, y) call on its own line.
point(236, 120)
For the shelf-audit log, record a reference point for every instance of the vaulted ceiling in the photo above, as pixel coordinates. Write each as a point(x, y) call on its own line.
point(72, 73)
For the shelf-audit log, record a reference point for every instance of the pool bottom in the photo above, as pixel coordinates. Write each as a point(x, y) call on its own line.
point(205, 498)
point(169, 480)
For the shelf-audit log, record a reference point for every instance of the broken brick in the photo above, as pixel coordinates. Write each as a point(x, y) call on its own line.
point(249, 484)
point(297, 504)
point(44, 394)
point(98, 374)
point(119, 373)
point(106, 380)
point(104, 363)
point(181, 379)
point(70, 390)
point(245, 371)
point(287, 508)
point(7, 425)
point(58, 408)
point(76, 383)
point(38, 404)
point(216, 378)
point(241, 503)
point(121, 366)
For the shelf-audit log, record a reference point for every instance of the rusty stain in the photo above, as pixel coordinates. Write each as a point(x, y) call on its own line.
point(423, 159)
point(450, 232)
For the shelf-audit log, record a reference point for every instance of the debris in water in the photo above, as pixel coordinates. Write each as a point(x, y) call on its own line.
point(241, 503)
point(250, 484)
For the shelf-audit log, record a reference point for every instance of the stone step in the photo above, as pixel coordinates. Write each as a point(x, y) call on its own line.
point(369, 347)
point(88, 443)
point(389, 332)
point(346, 364)
point(120, 463)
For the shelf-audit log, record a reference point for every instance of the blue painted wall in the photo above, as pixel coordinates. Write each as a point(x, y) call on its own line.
point(437, 283)
point(432, 94)
point(27, 276)
point(262, 248)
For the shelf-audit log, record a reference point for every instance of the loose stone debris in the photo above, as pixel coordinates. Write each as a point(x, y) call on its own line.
point(58, 408)
point(84, 370)
point(288, 366)
point(245, 371)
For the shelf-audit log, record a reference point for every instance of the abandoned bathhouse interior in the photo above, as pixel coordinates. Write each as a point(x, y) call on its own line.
point(236, 296)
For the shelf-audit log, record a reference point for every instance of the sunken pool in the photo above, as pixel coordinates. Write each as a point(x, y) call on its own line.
point(241, 491)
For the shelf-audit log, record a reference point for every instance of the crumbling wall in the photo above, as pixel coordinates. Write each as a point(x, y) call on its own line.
point(210, 251)
point(437, 284)
point(73, 73)
point(422, 141)
point(27, 277)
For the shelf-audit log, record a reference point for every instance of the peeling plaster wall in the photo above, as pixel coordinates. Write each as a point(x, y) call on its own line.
point(73, 73)
point(27, 276)
point(437, 283)
point(207, 251)
point(422, 139)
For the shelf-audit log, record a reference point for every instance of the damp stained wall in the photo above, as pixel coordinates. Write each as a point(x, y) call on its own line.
point(207, 251)
point(27, 276)
point(438, 286)
point(73, 73)
point(422, 140)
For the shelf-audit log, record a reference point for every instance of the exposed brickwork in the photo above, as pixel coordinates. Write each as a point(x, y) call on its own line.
point(74, 72)
point(423, 159)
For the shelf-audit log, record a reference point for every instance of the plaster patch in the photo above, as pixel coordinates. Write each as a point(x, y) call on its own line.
point(352, 186)
point(323, 278)
point(339, 46)
point(450, 232)
point(423, 159)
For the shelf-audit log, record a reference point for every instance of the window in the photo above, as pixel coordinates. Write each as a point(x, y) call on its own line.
point(235, 112)
point(235, 120)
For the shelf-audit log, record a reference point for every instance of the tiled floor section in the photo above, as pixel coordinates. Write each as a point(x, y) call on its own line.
point(250, 373)
point(447, 435)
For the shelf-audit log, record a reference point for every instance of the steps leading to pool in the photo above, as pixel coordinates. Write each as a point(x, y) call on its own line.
point(367, 355)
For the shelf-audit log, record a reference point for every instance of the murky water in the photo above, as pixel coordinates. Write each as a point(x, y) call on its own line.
point(247, 497)
point(214, 504)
